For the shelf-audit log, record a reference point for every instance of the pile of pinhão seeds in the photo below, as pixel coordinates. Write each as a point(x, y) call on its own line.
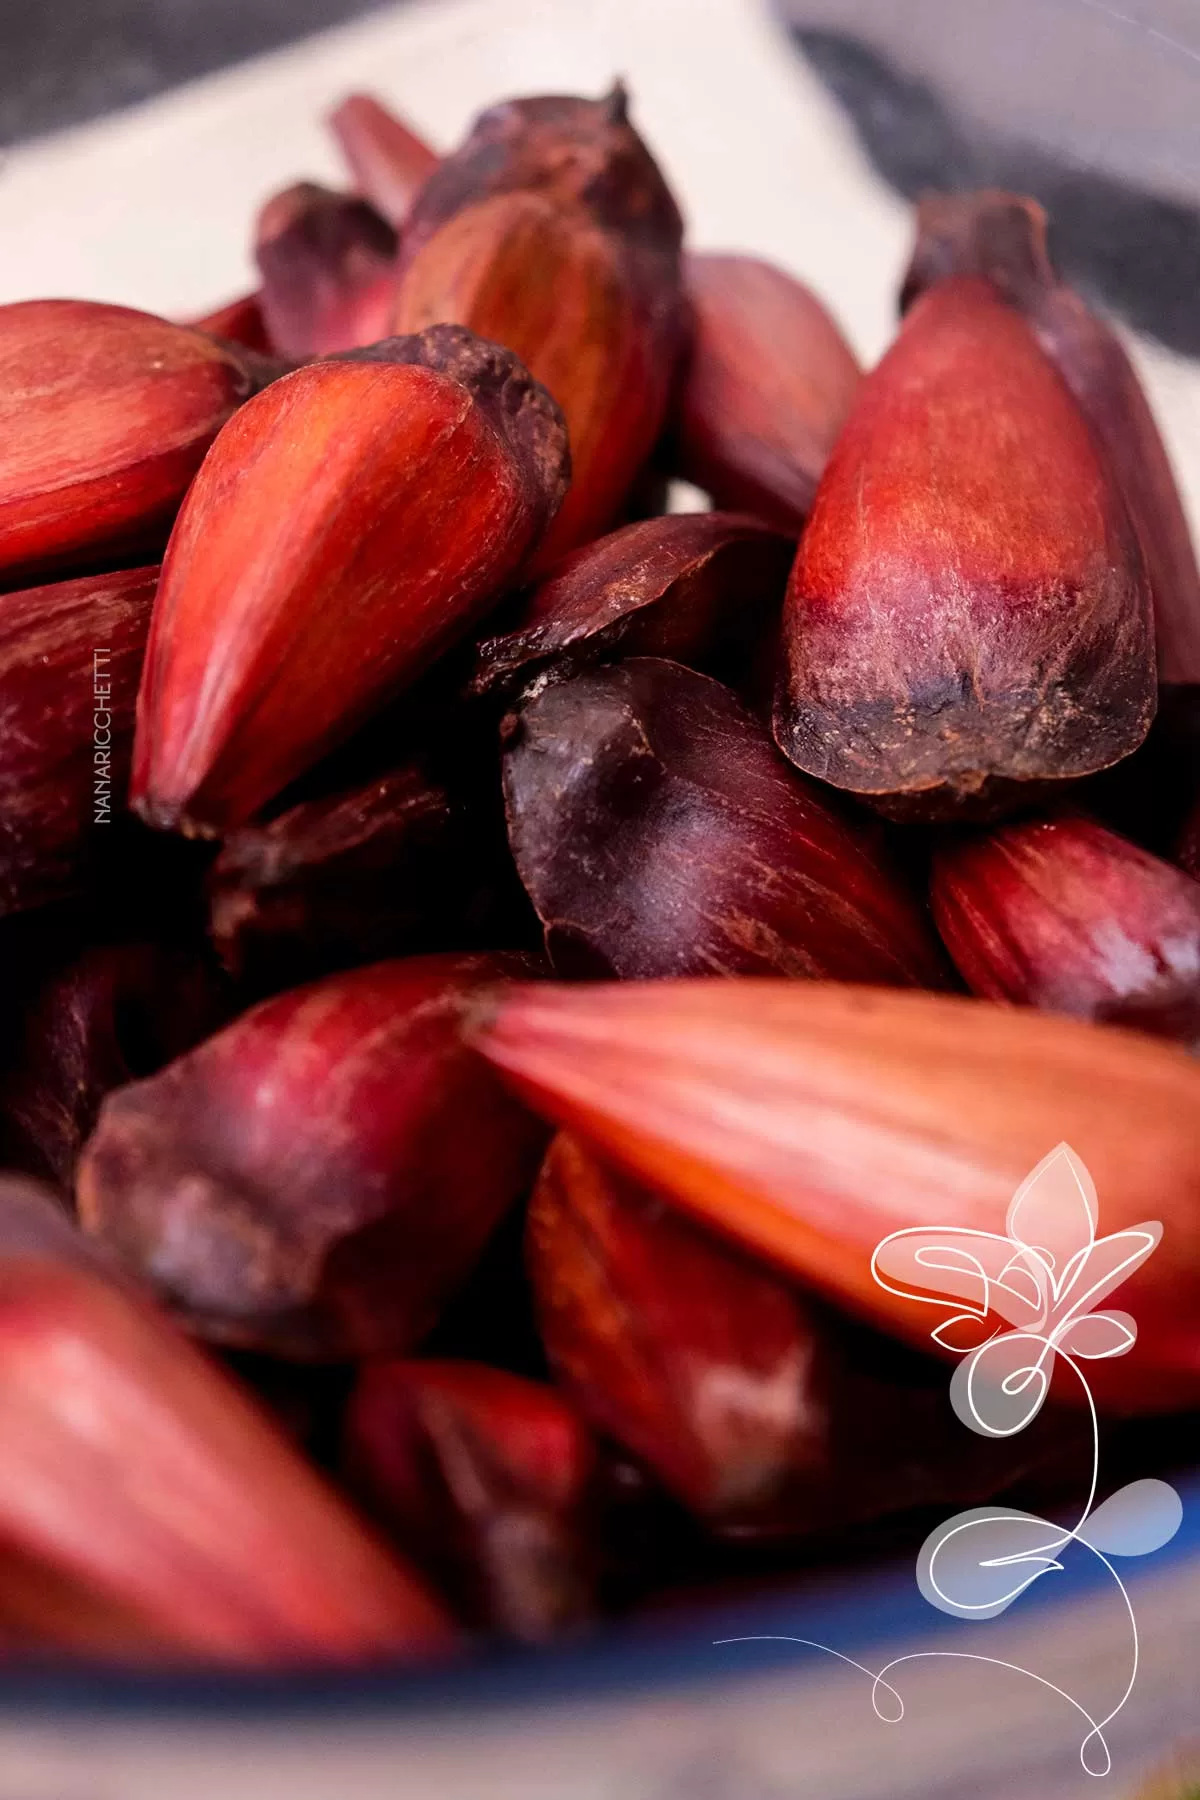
point(485, 960)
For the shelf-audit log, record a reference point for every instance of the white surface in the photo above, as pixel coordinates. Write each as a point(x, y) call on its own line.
point(153, 207)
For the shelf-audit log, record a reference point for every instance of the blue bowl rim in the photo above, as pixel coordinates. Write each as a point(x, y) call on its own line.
point(852, 1614)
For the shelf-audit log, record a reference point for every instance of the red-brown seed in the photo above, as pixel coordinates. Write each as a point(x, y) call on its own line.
point(770, 380)
point(327, 263)
point(388, 160)
point(1064, 915)
point(1002, 237)
point(105, 416)
point(551, 230)
point(693, 1358)
point(70, 660)
point(88, 1024)
point(395, 845)
point(807, 1121)
point(761, 1411)
point(699, 588)
point(969, 615)
point(482, 1476)
point(148, 1510)
point(354, 878)
point(238, 322)
point(658, 831)
point(347, 526)
point(318, 1178)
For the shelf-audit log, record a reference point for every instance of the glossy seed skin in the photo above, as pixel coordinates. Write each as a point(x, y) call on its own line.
point(81, 1024)
point(70, 662)
point(766, 1414)
point(326, 263)
point(806, 1121)
point(346, 527)
point(1002, 237)
point(370, 872)
point(658, 832)
point(552, 230)
point(969, 616)
point(389, 161)
point(239, 321)
point(705, 589)
point(482, 1475)
point(770, 380)
point(105, 416)
point(698, 1361)
point(318, 1178)
point(152, 1514)
point(1065, 915)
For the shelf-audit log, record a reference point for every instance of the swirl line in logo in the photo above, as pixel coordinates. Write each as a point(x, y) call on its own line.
point(1024, 1301)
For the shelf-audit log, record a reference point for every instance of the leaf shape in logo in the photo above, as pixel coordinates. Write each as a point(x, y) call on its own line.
point(1135, 1521)
point(1055, 1212)
point(1096, 1336)
point(1103, 1265)
point(1001, 1389)
point(976, 1564)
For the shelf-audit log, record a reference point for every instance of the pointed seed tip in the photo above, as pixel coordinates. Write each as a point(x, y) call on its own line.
point(616, 102)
